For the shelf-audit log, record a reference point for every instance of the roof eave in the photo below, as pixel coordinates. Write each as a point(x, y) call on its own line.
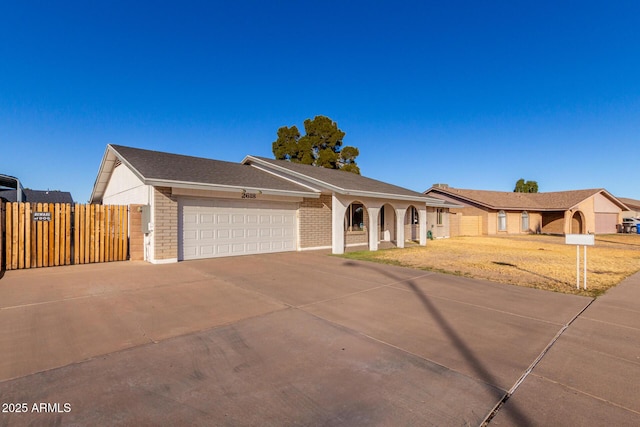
point(249, 159)
point(106, 169)
point(340, 190)
point(229, 188)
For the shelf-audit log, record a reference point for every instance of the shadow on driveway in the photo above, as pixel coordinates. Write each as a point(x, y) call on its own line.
point(465, 350)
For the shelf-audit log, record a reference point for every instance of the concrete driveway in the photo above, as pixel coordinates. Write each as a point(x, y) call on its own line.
point(279, 339)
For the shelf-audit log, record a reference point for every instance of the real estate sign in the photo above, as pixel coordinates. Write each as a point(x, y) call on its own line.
point(580, 240)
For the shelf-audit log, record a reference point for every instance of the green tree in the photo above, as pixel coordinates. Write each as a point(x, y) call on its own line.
point(523, 186)
point(320, 146)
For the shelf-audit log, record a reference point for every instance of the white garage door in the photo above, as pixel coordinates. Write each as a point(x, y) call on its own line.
point(218, 227)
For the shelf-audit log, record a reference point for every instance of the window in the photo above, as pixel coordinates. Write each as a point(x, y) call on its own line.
point(502, 221)
point(355, 217)
point(525, 221)
point(439, 215)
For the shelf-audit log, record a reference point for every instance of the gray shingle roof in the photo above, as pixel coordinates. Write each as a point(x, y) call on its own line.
point(37, 196)
point(632, 204)
point(558, 200)
point(160, 166)
point(346, 181)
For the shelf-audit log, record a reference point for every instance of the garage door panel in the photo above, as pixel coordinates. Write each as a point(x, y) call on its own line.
point(206, 250)
point(231, 227)
point(190, 234)
point(206, 219)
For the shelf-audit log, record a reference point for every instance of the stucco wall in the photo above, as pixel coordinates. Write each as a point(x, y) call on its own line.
point(553, 222)
point(468, 221)
point(438, 230)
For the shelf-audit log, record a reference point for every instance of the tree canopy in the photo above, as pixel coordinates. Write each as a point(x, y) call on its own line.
point(320, 146)
point(523, 186)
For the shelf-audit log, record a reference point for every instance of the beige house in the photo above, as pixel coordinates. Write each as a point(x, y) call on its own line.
point(563, 212)
point(194, 208)
point(633, 207)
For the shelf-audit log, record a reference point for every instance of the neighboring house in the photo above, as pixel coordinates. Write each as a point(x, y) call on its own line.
point(633, 206)
point(563, 212)
point(11, 190)
point(202, 208)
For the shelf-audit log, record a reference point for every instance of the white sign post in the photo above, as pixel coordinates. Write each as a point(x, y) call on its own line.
point(578, 240)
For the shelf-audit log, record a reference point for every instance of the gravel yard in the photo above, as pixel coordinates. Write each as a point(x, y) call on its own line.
point(537, 261)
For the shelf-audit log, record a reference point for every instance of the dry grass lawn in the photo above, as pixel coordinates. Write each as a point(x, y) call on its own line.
point(537, 261)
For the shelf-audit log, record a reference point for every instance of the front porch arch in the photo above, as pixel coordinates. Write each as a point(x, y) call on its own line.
point(577, 223)
point(415, 224)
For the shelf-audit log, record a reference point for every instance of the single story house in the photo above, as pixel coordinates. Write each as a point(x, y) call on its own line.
point(11, 190)
point(562, 212)
point(200, 208)
point(633, 207)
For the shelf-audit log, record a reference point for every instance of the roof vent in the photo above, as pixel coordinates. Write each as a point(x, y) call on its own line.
point(440, 185)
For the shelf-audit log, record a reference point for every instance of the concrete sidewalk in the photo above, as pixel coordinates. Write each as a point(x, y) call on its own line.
point(293, 339)
point(591, 376)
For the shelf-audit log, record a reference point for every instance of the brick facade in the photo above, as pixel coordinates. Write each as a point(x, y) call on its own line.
point(165, 227)
point(315, 222)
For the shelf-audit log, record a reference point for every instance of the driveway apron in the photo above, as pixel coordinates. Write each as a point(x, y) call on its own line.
point(278, 339)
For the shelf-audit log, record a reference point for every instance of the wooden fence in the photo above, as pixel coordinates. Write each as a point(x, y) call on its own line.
point(48, 234)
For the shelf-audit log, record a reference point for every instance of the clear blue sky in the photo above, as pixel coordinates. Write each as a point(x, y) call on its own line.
point(476, 94)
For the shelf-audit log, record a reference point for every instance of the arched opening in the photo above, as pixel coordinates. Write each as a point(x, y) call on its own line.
point(577, 223)
point(412, 224)
point(356, 225)
point(387, 223)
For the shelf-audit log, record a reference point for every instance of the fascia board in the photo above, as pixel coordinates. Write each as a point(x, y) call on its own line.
point(104, 173)
point(385, 196)
point(444, 204)
point(228, 188)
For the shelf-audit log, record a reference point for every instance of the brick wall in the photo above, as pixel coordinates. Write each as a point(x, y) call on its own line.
point(315, 222)
point(165, 224)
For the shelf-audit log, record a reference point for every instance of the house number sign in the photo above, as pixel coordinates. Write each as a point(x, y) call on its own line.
point(249, 195)
point(42, 216)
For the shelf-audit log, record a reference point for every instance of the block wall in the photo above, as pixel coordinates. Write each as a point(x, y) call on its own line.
point(165, 224)
point(315, 222)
